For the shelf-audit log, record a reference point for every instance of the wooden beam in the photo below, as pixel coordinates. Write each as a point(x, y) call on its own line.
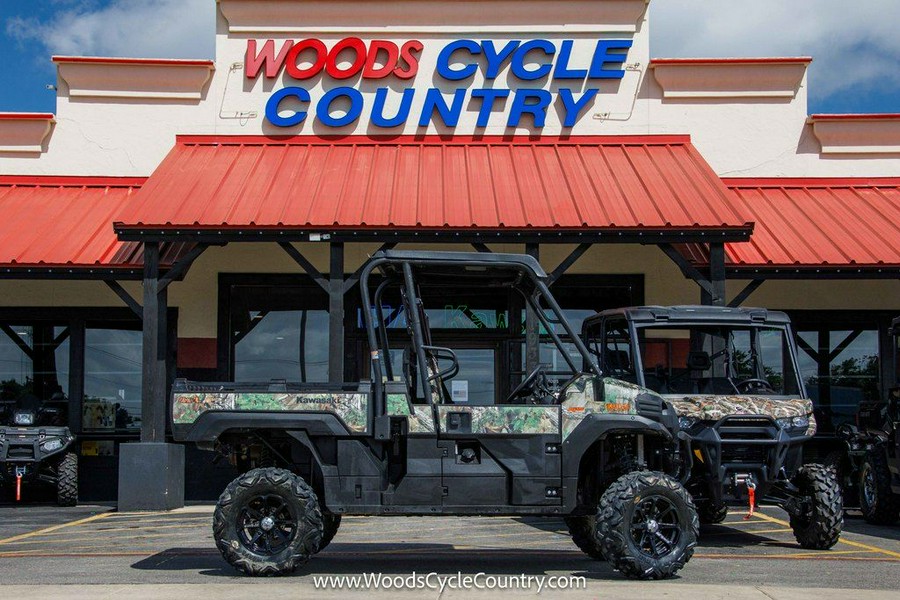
point(481, 247)
point(182, 265)
point(17, 340)
point(687, 269)
point(127, 298)
point(564, 266)
point(307, 266)
point(746, 293)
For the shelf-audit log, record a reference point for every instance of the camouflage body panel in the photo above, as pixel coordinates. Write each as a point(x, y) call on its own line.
point(713, 408)
point(507, 419)
point(350, 407)
point(619, 397)
point(420, 421)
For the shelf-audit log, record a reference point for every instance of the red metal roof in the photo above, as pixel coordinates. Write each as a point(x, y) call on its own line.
point(53, 222)
point(649, 182)
point(818, 223)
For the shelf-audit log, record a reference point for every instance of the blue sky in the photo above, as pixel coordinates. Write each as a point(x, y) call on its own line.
point(855, 45)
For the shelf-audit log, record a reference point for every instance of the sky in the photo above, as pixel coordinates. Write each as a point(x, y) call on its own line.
point(855, 45)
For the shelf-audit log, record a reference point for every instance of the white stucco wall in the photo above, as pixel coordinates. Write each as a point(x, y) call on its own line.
point(739, 136)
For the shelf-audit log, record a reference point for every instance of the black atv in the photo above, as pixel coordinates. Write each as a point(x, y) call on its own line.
point(731, 375)
point(873, 452)
point(35, 446)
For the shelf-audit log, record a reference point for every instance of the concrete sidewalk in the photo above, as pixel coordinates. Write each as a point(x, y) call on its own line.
point(276, 590)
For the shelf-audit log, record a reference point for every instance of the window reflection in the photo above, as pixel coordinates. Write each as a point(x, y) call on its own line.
point(112, 379)
point(282, 344)
point(34, 368)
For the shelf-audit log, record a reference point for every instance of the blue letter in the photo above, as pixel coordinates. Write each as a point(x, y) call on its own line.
point(378, 118)
point(435, 100)
point(443, 61)
point(496, 59)
point(603, 57)
point(518, 60)
point(324, 105)
point(573, 107)
point(562, 70)
point(487, 103)
point(538, 109)
point(275, 99)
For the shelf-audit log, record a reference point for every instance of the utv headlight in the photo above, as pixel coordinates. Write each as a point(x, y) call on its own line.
point(686, 422)
point(793, 422)
point(52, 445)
point(24, 418)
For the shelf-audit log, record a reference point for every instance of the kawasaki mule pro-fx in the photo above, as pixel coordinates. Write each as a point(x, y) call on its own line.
point(597, 451)
point(731, 375)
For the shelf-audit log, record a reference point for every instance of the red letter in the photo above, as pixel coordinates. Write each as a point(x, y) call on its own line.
point(291, 62)
point(393, 53)
point(352, 43)
point(412, 61)
point(267, 58)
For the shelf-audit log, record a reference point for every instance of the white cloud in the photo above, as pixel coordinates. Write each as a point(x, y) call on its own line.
point(131, 28)
point(853, 43)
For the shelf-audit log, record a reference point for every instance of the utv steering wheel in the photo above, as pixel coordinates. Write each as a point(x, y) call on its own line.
point(535, 382)
point(748, 386)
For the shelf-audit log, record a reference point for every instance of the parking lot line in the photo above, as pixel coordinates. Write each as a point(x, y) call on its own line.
point(842, 540)
point(23, 536)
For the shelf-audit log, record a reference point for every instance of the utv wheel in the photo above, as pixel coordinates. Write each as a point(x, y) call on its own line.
point(330, 525)
point(67, 480)
point(879, 505)
point(711, 513)
point(267, 522)
point(583, 530)
point(819, 525)
point(647, 525)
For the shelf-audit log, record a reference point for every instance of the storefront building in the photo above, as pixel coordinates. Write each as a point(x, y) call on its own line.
point(206, 219)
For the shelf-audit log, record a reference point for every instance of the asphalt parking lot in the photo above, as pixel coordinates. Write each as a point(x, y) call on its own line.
point(96, 546)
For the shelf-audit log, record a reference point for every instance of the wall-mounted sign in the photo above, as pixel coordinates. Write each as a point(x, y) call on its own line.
point(573, 86)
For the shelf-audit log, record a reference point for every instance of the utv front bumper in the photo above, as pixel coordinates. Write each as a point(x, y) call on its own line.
point(725, 453)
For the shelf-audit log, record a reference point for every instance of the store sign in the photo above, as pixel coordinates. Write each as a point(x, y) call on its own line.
point(574, 86)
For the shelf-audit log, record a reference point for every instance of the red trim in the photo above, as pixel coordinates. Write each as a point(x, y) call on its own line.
point(107, 60)
point(71, 181)
point(811, 182)
point(857, 117)
point(23, 116)
point(197, 353)
point(302, 140)
point(732, 61)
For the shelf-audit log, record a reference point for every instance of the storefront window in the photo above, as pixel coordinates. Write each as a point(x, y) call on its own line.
point(112, 380)
point(841, 369)
point(290, 345)
point(278, 332)
point(34, 367)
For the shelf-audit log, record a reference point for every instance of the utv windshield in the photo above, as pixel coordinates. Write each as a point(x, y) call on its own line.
point(702, 359)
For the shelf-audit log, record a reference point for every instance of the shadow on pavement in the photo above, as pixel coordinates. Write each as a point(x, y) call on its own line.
point(393, 559)
point(854, 523)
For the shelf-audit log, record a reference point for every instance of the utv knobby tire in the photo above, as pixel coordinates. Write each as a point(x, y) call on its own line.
point(821, 528)
point(618, 506)
point(711, 513)
point(67, 480)
point(883, 508)
point(330, 525)
point(583, 530)
point(299, 499)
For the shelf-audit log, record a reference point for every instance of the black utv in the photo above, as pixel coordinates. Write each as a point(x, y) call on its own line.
point(874, 450)
point(35, 447)
point(600, 452)
point(731, 376)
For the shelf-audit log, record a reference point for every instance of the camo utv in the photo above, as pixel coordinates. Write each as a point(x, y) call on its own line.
point(731, 375)
point(597, 451)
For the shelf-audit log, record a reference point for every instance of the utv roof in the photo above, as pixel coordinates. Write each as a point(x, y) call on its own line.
point(464, 260)
point(696, 314)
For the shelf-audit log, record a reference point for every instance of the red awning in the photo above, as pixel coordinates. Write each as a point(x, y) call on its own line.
point(65, 224)
point(363, 183)
point(814, 223)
